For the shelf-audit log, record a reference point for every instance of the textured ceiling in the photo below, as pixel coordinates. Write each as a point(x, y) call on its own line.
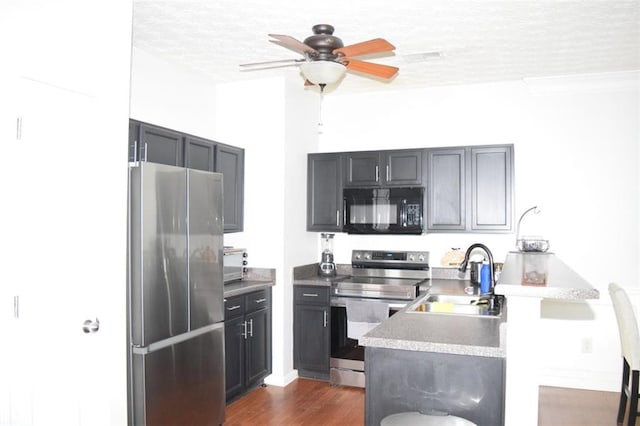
point(480, 41)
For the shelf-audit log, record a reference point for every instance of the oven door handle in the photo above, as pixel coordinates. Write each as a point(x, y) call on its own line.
point(341, 302)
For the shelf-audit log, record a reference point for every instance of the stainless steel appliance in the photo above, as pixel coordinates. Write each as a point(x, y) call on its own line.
point(175, 311)
point(383, 210)
point(392, 277)
point(235, 264)
point(327, 267)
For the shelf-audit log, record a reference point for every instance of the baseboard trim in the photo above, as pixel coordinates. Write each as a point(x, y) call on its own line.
point(281, 380)
point(578, 379)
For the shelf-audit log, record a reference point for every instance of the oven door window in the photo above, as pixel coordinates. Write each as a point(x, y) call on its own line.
point(342, 347)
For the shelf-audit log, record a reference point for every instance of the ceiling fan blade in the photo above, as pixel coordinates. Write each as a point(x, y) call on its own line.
point(270, 64)
point(376, 70)
point(376, 45)
point(293, 44)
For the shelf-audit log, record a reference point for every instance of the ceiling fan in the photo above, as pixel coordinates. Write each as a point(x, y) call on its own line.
point(326, 58)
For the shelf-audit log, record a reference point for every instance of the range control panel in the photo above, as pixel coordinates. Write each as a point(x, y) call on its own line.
point(360, 258)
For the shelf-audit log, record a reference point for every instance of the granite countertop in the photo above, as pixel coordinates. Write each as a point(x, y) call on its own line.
point(256, 279)
point(551, 279)
point(442, 333)
point(308, 275)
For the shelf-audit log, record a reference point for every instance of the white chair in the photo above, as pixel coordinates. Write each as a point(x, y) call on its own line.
point(630, 342)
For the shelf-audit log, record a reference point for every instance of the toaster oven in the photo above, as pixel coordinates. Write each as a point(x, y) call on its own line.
point(235, 264)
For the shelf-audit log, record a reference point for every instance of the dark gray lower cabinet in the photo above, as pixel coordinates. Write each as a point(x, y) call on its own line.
point(470, 387)
point(247, 341)
point(311, 344)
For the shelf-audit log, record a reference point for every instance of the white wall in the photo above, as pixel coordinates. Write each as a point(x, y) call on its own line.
point(275, 121)
point(165, 94)
point(576, 157)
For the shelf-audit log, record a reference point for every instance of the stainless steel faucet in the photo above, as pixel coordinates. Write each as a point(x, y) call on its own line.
point(465, 261)
point(493, 300)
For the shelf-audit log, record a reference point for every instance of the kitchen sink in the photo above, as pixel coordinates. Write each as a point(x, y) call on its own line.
point(455, 305)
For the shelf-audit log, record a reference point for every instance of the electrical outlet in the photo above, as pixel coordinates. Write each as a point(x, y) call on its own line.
point(587, 345)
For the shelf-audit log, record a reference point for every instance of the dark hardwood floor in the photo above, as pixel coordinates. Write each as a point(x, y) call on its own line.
point(311, 402)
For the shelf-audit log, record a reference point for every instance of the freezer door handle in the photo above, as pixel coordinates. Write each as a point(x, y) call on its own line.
point(90, 326)
point(144, 350)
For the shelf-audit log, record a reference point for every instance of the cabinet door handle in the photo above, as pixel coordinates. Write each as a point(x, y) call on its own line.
point(310, 294)
point(145, 153)
point(337, 217)
point(387, 173)
point(325, 320)
point(233, 308)
point(344, 211)
point(260, 300)
point(250, 327)
point(244, 330)
point(377, 174)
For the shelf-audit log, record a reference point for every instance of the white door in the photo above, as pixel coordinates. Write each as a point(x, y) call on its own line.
point(55, 263)
point(63, 216)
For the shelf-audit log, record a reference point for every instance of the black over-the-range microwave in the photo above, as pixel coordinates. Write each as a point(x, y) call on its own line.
point(386, 210)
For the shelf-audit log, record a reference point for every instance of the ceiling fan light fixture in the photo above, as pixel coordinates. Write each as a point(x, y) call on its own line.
point(323, 72)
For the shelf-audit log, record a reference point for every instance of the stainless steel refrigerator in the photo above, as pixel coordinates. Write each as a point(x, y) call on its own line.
point(175, 296)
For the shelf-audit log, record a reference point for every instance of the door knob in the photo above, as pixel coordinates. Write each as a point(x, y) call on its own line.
point(91, 326)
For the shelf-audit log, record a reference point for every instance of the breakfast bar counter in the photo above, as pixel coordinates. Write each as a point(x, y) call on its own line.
point(527, 279)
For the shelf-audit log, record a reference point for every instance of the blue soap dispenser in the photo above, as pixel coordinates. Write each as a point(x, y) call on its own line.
point(485, 278)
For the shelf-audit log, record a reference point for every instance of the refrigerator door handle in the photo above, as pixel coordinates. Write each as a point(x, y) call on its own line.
point(143, 350)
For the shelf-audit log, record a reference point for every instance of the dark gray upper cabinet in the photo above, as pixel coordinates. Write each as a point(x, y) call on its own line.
point(371, 168)
point(230, 162)
point(200, 154)
point(470, 189)
point(446, 199)
point(362, 168)
point(403, 167)
point(491, 188)
point(324, 192)
point(159, 145)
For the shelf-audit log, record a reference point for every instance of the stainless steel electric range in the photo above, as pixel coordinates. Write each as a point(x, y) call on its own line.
point(391, 277)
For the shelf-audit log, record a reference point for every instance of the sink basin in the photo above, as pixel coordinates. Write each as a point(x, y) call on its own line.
point(454, 304)
point(456, 299)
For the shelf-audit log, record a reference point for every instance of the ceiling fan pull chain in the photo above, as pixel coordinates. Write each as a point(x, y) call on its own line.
point(320, 124)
